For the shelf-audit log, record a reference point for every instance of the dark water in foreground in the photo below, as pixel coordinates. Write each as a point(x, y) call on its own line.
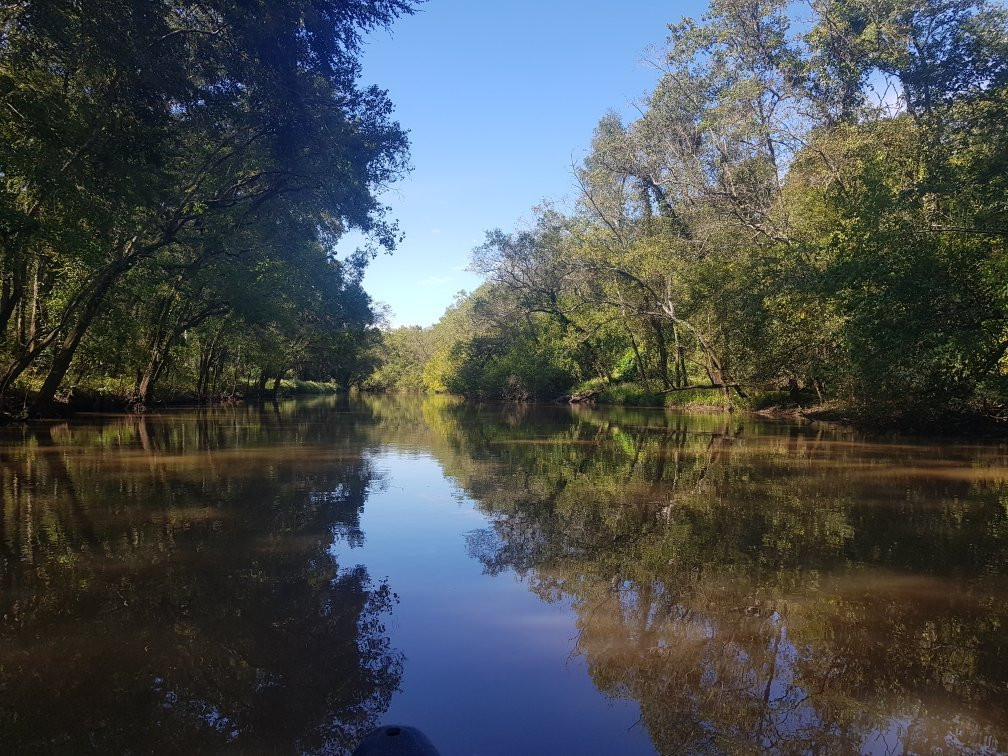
point(510, 580)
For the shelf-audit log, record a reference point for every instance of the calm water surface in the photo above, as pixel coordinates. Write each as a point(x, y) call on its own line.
point(511, 580)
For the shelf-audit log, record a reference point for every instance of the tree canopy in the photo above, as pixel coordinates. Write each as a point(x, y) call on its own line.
point(808, 202)
point(173, 178)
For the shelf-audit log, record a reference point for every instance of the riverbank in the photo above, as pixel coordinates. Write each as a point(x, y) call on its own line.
point(877, 417)
point(963, 425)
point(112, 396)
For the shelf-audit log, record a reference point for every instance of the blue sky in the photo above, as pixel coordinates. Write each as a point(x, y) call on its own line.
point(499, 98)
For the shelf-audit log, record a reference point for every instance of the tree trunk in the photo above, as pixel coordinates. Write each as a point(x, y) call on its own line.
point(207, 356)
point(215, 376)
point(11, 296)
point(663, 357)
point(61, 362)
point(33, 315)
point(203, 371)
point(640, 362)
point(155, 366)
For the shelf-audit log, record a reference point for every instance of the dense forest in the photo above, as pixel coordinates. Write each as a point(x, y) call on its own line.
point(173, 178)
point(811, 208)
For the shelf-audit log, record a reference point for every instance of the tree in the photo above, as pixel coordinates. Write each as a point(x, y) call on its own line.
point(199, 120)
point(816, 207)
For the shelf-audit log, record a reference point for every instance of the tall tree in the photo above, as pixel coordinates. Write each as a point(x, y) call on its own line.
point(193, 123)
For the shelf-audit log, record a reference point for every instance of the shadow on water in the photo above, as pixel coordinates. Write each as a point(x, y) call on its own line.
point(167, 585)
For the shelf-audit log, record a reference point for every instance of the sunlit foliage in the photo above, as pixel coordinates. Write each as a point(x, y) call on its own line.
point(810, 204)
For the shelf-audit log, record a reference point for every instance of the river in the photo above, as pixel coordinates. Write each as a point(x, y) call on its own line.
point(509, 579)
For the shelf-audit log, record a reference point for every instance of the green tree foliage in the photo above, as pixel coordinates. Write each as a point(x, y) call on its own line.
point(401, 354)
point(816, 207)
point(163, 161)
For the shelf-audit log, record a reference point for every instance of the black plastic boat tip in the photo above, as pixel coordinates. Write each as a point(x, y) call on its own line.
point(396, 740)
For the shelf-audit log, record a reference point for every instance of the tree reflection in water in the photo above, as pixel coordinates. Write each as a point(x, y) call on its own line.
point(759, 587)
point(171, 583)
point(187, 582)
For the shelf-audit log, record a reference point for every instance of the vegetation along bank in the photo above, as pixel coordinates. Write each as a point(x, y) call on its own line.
point(809, 209)
point(173, 178)
point(804, 213)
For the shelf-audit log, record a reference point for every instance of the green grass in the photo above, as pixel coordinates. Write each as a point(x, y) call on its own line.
point(630, 395)
point(705, 398)
point(296, 386)
point(114, 393)
point(762, 400)
point(634, 394)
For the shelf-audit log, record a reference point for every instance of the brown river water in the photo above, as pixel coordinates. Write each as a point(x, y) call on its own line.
point(509, 579)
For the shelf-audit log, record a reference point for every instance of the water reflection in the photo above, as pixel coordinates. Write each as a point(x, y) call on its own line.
point(757, 587)
point(167, 584)
point(189, 581)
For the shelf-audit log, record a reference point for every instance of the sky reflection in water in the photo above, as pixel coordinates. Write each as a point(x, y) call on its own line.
point(508, 579)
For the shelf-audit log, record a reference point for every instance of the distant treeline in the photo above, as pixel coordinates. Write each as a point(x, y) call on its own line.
point(812, 201)
point(173, 177)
